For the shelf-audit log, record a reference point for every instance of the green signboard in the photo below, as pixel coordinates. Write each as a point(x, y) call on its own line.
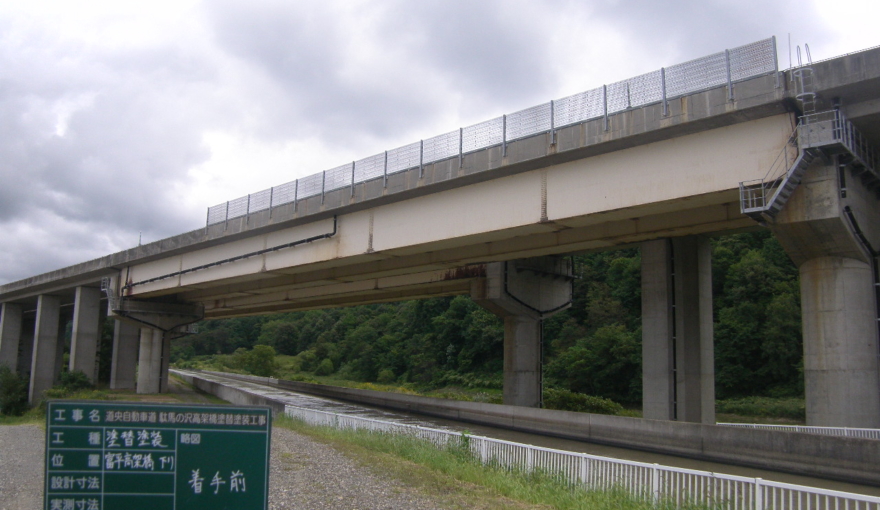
point(124, 456)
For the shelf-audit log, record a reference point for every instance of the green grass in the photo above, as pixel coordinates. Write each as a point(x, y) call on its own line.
point(779, 410)
point(453, 474)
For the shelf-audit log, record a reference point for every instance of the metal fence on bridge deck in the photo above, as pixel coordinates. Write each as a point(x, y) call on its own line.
point(593, 472)
point(716, 70)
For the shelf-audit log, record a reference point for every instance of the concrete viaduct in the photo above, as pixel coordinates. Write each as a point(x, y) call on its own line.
point(495, 223)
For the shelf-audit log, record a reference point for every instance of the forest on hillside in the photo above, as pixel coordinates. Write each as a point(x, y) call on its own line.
point(594, 347)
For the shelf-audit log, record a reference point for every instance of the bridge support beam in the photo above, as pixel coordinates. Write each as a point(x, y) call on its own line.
point(522, 293)
point(10, 334)
point(45, 354)
point(84, 337)
point(125, 356)
point(820, 228)
point(150, 361)
point(678, 365)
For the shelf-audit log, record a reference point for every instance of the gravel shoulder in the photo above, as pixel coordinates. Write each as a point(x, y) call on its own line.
point(304, 474)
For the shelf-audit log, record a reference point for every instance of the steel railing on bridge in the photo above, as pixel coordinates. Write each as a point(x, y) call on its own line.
point(594, 472)
point(716, 70)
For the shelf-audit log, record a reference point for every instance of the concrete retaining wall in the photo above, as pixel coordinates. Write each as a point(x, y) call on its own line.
point(836, 458)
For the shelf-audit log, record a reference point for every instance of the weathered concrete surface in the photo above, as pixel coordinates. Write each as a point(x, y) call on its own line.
point(10, 334)
point(43, 366)
point(838, 300)
point(84, 337)
point(847, 459)
point(678, 364)
point(125, 355)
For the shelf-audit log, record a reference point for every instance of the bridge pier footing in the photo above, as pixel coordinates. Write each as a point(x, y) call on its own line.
point(829, 229)
point(523, 293)
point(678, 365)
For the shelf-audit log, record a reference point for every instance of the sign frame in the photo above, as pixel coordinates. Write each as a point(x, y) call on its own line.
point(114, 455)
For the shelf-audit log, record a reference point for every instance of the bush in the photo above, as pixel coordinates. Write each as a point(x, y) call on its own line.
point(792, 408)
point(13, 392)
point(325, 367)
point(386, 376)
point(565, 400)
point(75, 381)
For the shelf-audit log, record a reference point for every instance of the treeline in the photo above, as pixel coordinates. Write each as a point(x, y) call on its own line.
point(594, 347)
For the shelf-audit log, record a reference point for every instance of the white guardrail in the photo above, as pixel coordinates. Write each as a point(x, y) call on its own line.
point(594, 472)
point(719, 69)
point(825, 431)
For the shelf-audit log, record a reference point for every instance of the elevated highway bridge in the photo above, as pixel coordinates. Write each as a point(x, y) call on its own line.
point(659, 161)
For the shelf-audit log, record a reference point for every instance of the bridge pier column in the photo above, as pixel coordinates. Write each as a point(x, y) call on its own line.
point(828, 231)
point(523, 292)
point(150, 361)
point(26, 345)
point(45, 354)
point(125, 356)
point(678, 365)
point(84, 338)
point(10, 334)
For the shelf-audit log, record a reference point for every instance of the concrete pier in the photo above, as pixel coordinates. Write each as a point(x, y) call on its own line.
point(150, 361)
point(838, 303)
point(678, 366)
point(523, 292)
point(10, 334)
point(43, 373)
point(26, 344)
point(125, 356)
point(84, 339)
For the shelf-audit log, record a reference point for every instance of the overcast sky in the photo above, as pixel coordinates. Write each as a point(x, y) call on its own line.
point(125, 117)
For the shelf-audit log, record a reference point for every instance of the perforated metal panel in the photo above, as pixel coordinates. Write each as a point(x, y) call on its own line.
point(441, 147)
point(284, 193)
point(238, 207)
point(403, 158)
point(619, 96)
point(217, 213)
point(578, 107)
point(310, 186)
point(339, 177)
point(700, 74)
point(752, 60)
point(482, 135)
point(369, 168)
point(645, 89)
point(528, 122)
point(260, 200)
